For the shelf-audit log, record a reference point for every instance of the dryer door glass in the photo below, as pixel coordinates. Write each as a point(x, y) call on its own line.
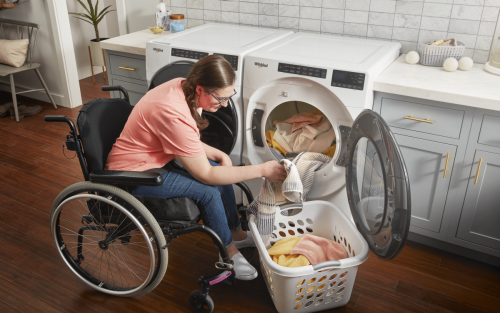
point(377, 185)
point(223, 124)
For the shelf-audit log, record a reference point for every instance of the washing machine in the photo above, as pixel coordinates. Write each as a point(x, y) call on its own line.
point(366, 177)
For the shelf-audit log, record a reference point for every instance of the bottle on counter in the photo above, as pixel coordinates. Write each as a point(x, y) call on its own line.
point(177, 23)
point(162, 18)
point(495, 54)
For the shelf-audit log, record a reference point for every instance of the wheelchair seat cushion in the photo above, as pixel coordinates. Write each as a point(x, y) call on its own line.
point(179, 209)
point(100, 122)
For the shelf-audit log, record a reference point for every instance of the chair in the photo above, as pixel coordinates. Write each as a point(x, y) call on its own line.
point(113, 241)
point(28, 65)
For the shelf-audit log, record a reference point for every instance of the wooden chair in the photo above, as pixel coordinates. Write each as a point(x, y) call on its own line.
point(32, 31)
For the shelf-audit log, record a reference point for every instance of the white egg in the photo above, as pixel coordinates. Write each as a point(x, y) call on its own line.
point(465, 63)
point(450, 64)
point(412, 57)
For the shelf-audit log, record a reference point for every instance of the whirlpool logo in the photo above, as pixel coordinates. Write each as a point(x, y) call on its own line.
point(157, 49)
point(261, 64)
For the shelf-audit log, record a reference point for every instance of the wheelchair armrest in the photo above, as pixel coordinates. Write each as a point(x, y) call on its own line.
point(127, 178)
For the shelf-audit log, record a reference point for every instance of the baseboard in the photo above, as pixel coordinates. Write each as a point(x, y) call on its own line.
point(448, 247)
point(38, 95)
point(87, 72)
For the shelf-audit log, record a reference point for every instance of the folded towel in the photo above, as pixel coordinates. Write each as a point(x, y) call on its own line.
point(317, 249)
point(308, 139)
point(300, 120)
point(280, 253)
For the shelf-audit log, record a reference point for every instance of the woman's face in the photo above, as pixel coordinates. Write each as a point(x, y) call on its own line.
point(208, 103)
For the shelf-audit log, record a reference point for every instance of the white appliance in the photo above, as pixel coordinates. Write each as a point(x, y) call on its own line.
point(333, 74)
point(173, 56)
point(233, 42)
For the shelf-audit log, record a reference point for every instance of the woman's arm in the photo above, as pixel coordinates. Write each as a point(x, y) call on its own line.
point(202, 171)
point(215, 154)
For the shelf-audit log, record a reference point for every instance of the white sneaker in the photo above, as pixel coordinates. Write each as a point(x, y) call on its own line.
point(247, 242)
point(242, 269)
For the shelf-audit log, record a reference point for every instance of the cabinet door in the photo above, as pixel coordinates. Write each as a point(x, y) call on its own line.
point(426, 161)
point(135, 91)
point(480, 219)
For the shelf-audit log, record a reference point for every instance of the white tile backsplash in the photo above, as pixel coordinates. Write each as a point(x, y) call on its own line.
point(356, 17)
point(336, 15)
point(381, 19)
point(406, 21)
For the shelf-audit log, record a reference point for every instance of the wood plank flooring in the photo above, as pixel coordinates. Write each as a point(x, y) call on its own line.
point(33, 278)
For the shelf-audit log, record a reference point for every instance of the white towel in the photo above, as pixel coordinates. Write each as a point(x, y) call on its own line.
point(307, 139)
point(300, 177)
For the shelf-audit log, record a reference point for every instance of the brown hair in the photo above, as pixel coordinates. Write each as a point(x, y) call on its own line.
point(211, 73)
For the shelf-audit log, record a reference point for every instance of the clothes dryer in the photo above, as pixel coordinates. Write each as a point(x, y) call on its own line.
point(366, 177)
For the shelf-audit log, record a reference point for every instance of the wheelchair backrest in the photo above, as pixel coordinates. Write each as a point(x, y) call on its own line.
point(100, 122)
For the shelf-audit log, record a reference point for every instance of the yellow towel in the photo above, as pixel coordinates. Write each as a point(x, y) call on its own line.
point(330, 151)
point(273, 143)
point(280, 253)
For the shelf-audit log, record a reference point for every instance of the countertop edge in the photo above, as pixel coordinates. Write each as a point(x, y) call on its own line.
point(480, 103)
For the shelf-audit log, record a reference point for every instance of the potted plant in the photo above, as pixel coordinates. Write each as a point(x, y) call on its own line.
point(94, 18)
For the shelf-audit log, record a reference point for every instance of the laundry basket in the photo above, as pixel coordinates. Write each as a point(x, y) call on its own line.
point(315, 287)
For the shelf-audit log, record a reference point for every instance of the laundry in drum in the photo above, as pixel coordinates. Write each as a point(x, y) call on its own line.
point(294, 127)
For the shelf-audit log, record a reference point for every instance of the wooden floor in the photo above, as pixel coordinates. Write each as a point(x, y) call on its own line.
point(33, 278)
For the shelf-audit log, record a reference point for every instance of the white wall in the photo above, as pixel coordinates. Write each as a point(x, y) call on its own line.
point(82, 33)
point(140, 14)
point(112, 19)
point(36, 12)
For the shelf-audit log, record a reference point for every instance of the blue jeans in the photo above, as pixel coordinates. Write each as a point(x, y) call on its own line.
point(216, 203)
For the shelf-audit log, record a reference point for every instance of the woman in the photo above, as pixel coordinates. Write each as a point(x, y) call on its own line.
point(165, 126)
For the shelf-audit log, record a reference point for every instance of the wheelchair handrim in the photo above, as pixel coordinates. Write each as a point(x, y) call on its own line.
point(128, 215)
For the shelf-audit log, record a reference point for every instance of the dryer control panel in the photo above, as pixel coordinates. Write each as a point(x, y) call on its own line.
point(302, 70)
point(348, 80)
point(232, 59)
point(188, 54)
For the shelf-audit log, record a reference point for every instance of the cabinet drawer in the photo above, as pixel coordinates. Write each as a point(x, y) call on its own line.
point(490, 129)
point(135, 91)
point(127, 67)
point(445, 122)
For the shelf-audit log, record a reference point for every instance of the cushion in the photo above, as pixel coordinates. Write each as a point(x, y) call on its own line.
point(13, 52)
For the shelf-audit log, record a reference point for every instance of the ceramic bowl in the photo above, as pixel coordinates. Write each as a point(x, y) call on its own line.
point(157, 29)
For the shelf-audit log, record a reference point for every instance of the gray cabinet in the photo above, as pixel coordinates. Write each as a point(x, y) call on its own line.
point(129, 71)
point(426, 162)
point(462, 208)
point(480, 218)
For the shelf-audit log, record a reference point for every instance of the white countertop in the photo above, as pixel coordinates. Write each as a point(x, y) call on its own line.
point(134, 43)
point(474, 88)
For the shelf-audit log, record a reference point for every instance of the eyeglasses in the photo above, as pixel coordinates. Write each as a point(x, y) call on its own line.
point(222, 100)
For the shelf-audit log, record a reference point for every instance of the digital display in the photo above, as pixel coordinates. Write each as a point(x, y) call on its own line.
point(302, 70)
point(339, 75)
point(349, 80)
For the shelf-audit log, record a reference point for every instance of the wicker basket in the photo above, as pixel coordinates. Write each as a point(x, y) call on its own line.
point(436, 55)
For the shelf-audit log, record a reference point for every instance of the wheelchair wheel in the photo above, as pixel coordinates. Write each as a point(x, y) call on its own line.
point(200, 303)
point(108, 239)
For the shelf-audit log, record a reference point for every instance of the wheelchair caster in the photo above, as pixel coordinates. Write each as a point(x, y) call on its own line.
point(201, 302)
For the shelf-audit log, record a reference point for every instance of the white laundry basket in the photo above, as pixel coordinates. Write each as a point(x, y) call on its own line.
point(322, 286)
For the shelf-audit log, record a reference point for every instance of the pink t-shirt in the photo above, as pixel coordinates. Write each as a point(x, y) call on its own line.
point(159, 128)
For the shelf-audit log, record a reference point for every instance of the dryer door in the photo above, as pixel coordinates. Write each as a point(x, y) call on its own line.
point(222, 131)
point(377, 185)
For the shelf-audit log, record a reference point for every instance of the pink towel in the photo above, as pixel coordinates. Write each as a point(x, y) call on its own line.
point(300, 120)
point(317, 249)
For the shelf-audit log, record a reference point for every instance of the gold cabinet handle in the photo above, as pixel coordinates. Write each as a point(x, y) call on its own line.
point(418, 119)
point(477, 171)
point(446, 164)
point(126, 68)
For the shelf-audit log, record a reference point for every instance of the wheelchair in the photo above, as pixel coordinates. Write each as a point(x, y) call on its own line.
point(114, 241)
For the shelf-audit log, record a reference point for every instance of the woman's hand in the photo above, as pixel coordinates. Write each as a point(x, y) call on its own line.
point(274, 171)
point(225, 160)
